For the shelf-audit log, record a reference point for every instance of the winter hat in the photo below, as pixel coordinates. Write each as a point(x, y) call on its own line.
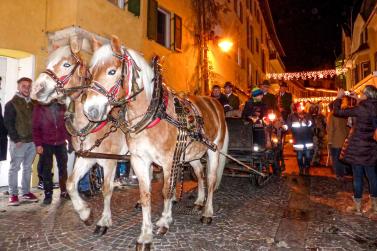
point(256, 92)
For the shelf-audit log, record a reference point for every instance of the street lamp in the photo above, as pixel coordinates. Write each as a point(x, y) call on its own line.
point(225, 44)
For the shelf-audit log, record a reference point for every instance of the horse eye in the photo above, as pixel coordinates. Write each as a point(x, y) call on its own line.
point(66, 65)
point(111, 72)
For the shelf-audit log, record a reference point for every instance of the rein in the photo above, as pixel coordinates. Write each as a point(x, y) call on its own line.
point(63, 80)
point(128, 66)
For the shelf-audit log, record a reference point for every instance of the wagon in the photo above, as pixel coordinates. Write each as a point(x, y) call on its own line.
point(257, 144)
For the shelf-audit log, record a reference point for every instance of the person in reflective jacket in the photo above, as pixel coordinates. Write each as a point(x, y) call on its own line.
point(300, 123)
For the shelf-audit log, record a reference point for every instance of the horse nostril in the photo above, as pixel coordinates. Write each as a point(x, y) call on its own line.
point(93, 112)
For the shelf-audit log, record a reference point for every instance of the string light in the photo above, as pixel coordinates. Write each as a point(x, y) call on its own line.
point(304, 75)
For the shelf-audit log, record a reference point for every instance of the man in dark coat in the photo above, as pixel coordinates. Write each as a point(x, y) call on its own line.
point(233, 100)
point(3, 135)
point(216, 93)
point(268, 99)
point(284, 101)
point(360, 149)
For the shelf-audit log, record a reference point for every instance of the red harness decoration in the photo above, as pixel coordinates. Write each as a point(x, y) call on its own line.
point(157, 120)
point(99, 127)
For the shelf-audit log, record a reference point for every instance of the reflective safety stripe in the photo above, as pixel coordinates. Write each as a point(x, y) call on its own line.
point(309, 145)
point(298, 146)
point(296, 125)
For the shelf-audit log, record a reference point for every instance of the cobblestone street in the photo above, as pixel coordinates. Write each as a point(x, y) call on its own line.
point(291, 212)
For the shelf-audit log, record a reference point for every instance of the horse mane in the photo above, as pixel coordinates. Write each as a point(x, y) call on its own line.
point(57, 55)
point(144, 78)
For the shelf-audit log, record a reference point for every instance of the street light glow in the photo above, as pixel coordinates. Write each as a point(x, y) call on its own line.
point(225, 45)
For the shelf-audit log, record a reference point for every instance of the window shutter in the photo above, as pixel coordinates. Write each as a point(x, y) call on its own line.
point(152, 19)
point(177, 33)
point(134, 7)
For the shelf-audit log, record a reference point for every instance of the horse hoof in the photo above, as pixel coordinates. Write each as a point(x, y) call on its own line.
point(89, 221)
point(143, 246)
point(206, 220)
point(162, 230)
point(100, 230)
point(138, 206)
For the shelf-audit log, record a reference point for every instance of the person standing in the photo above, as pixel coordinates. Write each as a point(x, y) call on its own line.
point(284, 101)
point(233, 100)
point(300, 123)
point(50, 137)
point(3, 135)
point(360, 149)
point(216, 93)
point(268, 98)
point(18, 121)
point(337, 131)
point(319, 129)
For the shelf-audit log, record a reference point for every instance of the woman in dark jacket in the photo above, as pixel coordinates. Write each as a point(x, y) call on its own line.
point(360, 149)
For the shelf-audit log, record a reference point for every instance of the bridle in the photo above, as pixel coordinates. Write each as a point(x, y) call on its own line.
point(63, 80)
point(128, 67)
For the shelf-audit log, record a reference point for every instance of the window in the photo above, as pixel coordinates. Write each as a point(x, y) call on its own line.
point(240, 14)
point(251, 39)
point(258, 16)
point(364, 37)
point(163, 27)
point(263, 61)
point(236, 6)
point(177, 33)
point(356, 74)
point(248, 33)
point(133, 6)
point(257, 45)
point(365, 69)
point(119, 3)
point(159, 26)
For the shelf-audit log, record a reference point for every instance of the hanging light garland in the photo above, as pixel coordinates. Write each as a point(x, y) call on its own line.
point(304, 75)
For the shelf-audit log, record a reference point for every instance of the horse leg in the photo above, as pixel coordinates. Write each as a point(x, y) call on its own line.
point(166, 216)
point(141, 169)
point(82, 166)
point(198, 169)
point(109, 167)
point(213, 162)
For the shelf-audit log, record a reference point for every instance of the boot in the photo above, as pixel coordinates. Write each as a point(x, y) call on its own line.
point(356, 207)
point(373, 206)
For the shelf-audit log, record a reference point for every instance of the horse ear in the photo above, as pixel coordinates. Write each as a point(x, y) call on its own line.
point(95, 43)
point(75, 44)
point(115, 44)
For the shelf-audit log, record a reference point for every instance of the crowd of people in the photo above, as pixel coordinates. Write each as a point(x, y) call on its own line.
point(351, 128)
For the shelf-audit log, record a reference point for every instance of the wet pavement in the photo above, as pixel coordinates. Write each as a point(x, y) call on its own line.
point(288, 213)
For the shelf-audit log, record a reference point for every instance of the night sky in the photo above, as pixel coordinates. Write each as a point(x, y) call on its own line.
point(310, 30)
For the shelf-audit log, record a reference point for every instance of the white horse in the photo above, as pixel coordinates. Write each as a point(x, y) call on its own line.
point(123, 76)
point(66, 74)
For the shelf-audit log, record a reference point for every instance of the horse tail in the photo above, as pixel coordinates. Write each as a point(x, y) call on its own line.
point(222, 159)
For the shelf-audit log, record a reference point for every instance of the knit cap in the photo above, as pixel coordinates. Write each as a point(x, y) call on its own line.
point(256, 92)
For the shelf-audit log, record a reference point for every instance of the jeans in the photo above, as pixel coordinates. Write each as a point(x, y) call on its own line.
point(60, 152)
point(304, 158)
point(358, 180)
point(20, 155)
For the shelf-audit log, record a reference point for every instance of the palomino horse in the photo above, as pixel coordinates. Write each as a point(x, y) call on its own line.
point(62, 63)
point(123, 76)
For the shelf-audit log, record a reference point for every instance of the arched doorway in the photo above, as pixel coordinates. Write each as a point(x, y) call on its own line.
point(14, 64)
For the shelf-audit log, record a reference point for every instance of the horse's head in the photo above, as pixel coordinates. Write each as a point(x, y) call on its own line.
point(65, 70)
point(115, 78)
